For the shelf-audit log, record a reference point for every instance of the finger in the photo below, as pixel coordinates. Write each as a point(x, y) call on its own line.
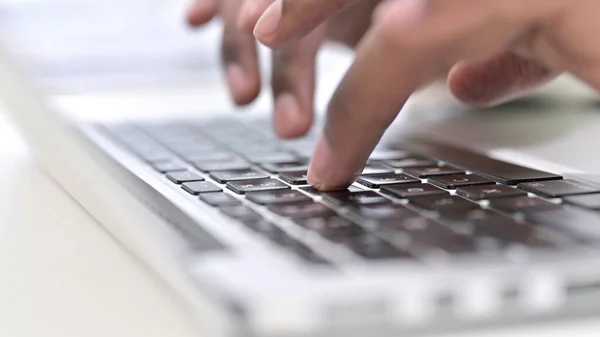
point(293, 83)
point(287, 19)
point(201, 12)
point(497, 79)
point(239, 54)
point(410, 43)
point(250, 13)
point(359, 15)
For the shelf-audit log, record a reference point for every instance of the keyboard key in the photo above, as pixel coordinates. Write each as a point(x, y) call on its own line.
point(410, 163)
point(355, 198)
point(168, 166)
point(378, 180)
point(277, 197)
point(219, 199)
point(579, 224)
point(198, 187)
point(429, 233)
point(302, 210)
point(286, 167)
point(294, 178)
point(489, 192)
point(384, 211)
point(559, 188)
point(241, 212)
point(501, 172)
point(315, 192)
point(333, 228)
point(443, 203)
point(256, 185)
point(208, 166)
point(459, 180)
point(234, 175)
point(485, 223)
point(376, 169)
point(180, 177)
point(271, 158)
point(432, 171)
point(200, 156)
point(521, 204)
point(388, 155)
point(591, 201)
point(372, 247)
point(412, 190)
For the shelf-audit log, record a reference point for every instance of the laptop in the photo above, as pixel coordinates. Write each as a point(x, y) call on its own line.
point(445, 229)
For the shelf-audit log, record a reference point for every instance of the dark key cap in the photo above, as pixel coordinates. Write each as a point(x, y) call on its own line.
point(314, 191)
point(234, 175)
point(521, 204)
point(372, 247)
point(378, 180)
point(286, 167)
point(241, 212)
point(591, 201)
point(207, 166)
point(412, 190)
point(502, 172)
point(355, 198)
point(333, 228)
point(198, 187)
point(302, 210)
point(168, 166)
point(410, 163)
point(485, 223)
point(180, 177)
point(219, 199)
point(489, 192)
point(271, 158)
point(459, 180)
point(443, 203)
point(277, 197)
point(427, 232)
point(432, 171)
point(384, 211)
point(294, 178)
point(264, 227)
point(256, 185)
point(376, 169)
point(559, 188)
point(579, 224)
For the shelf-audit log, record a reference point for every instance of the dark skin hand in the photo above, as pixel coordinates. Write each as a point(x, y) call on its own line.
point(494, 50)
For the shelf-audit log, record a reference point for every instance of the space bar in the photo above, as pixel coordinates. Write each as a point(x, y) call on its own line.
point(499, 171)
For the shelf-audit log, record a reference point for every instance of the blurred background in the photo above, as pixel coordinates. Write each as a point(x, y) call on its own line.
point(82, 45)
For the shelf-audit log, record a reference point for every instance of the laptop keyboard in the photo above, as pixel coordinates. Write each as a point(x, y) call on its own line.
point(413, 201)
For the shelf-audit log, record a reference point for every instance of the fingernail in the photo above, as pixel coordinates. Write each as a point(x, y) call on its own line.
point(236, 79)
point(269, 20)
point(287, 115)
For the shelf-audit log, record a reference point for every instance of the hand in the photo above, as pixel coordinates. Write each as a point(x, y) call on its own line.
point(293, 75)
point(496, 49)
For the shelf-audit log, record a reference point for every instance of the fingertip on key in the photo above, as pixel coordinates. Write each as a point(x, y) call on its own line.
point(324, 174)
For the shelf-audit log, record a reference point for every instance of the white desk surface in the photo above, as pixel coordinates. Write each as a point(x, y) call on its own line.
point(61, 275)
